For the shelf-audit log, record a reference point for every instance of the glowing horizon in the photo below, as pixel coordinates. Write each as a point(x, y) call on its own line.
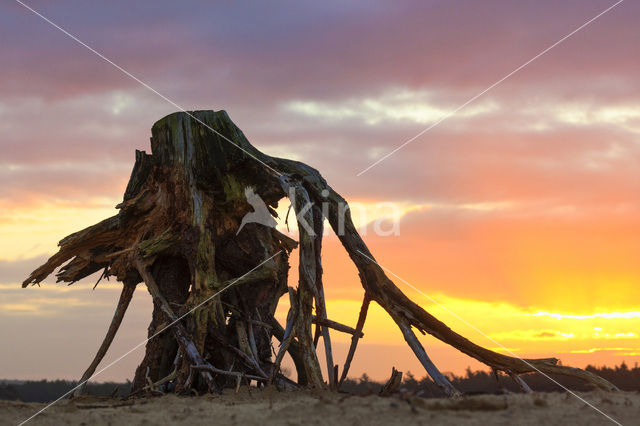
point(520, 214)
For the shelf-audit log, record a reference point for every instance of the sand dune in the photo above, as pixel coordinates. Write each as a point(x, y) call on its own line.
point(270, 407)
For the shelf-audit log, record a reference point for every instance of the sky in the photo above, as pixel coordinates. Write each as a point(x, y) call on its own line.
point(518, 216)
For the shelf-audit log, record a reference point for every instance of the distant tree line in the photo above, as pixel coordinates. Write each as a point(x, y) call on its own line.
point(473, 382)
point(50, 390)
point(478, 382)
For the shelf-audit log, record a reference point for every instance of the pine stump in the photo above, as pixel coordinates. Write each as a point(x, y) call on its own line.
point(216, 279)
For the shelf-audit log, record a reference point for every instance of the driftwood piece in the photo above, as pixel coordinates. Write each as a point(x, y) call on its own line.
point(393, 384)
point(182, 227)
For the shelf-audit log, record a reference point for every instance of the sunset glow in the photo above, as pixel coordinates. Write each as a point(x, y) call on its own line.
point(519, 216)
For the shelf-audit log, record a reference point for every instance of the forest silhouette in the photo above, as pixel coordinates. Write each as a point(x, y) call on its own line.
point(472, 383)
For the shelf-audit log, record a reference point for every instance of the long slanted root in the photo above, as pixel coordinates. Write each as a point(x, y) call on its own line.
point(121, 308)
point(216, 278)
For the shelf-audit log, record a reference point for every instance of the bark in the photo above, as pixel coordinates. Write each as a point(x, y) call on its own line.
point(171, 275)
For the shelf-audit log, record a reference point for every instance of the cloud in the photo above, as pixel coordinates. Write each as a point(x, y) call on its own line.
point(394, 106)
point(631, 351)
point(338, 99)
point(15, 271)
point(527, 257)
point(608, 315)
point(285, 51)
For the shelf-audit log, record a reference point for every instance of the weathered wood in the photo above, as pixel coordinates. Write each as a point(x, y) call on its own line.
point(123, 303)
point(426, 362)
point(307, 290)
point(325, 322)
point(293, 348)
point(287, 336)
point(362, 317)
point(321, 307)
point(178, 228)
point(171, 275)
point(393, 384)
point(189, 349)
point(247, 360)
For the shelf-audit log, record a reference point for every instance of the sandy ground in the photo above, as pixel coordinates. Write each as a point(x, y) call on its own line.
point(270, 407)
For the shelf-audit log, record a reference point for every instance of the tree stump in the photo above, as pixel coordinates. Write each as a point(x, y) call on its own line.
point(216, 279)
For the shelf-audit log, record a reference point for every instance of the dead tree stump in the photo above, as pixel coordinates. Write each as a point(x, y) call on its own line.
point(216, 279)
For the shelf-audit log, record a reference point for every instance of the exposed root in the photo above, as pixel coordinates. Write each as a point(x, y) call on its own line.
point(523, 385)
point(321, 307)
point(294, 350)
point(362, 317)
point(287, 336)
point(121, 308)
point(238, 375)
point(426, 362)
